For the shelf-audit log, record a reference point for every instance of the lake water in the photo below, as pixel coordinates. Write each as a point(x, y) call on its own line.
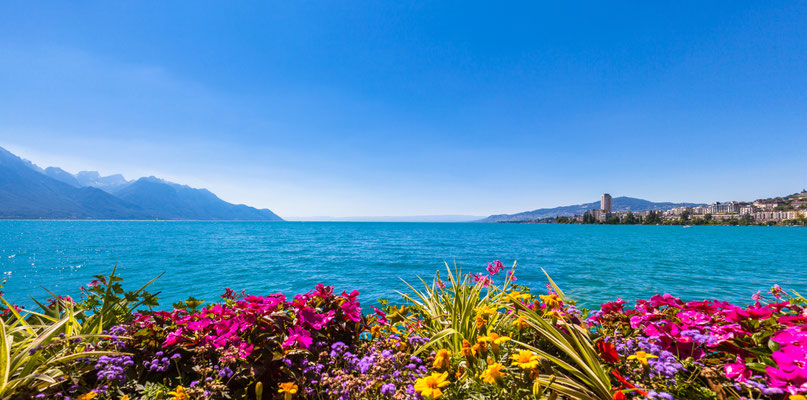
point(592, 263)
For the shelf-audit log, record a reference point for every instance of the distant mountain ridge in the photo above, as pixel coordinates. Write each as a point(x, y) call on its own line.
point(619, 204)
point(28, 191)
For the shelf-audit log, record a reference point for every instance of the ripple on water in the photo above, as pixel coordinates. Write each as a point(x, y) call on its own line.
point(592, 263)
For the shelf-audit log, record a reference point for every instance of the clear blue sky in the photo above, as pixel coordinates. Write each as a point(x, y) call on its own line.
point(347, 108)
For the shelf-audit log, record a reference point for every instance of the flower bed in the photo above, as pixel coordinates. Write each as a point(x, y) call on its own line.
point(468, 336)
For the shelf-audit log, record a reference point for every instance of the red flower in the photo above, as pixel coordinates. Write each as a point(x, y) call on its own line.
point(626, 384)
point(620, 396)
point(607, 351)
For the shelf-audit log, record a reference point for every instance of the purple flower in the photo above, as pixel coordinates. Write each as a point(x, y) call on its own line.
point(388, 389)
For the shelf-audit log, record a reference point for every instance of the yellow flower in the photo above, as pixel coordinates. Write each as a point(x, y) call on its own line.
point(550, 300)
point(493, 373)
point(642, 357)
point(442, 359)
point(375, 330)
point(484, 311)
point(467, 350)
point(797, 397)
point(87, 396)
point(480, 322)
point(288, 389)
point(429, 386)
point(554, 314)
point(521, 323)
point(515, 296)
point(179, 394)
point(525, 359)
point(494, 339)
point(125, 397)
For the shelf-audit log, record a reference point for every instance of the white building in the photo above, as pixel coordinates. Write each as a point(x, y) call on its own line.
point(724, 208)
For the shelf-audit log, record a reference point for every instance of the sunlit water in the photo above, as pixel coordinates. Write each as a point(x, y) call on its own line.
point(591, 263)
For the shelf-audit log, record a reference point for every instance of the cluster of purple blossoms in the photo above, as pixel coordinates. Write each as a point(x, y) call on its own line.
point(113, 368)
point(161, 362)
point(664, 366)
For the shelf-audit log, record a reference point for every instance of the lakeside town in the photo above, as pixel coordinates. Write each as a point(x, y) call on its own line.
point(787, 210)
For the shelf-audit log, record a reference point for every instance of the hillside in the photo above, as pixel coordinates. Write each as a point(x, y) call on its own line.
point(28, 191)
point(619, 204)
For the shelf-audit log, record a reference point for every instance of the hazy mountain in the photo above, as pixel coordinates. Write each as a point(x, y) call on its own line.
point(94, 179)
point(28, 191)
point(619, 204)
point(62, 175)
point(25, 192)
point(173, 201)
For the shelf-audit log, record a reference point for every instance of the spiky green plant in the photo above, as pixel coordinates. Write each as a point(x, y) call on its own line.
point(574, 369)
point(449, 312)
point(35, 356)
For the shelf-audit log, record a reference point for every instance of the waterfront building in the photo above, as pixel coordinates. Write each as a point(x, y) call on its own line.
point(606, 203)
point(724, 208)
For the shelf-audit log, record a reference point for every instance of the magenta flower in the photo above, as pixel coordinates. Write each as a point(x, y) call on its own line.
point(512, 276)
point(173, 337)
point(314, 320)
point(777, 291)
point(481, 279)
point(793, 382)
point(791, 358)
point(352, 310)
point(665, 300)
point(382, 316)
point(495, 267)
point(791, 336)
point(693, 318)
point(298, 336)
point(756, 312)
point(704, 306)
point(737, 371)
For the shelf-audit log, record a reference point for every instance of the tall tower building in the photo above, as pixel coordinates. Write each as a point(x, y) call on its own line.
point(605, 202)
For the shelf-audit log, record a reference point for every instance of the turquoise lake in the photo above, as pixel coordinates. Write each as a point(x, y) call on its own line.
point(592, 263)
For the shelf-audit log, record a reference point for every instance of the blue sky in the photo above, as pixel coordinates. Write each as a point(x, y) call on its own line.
point(347, 108)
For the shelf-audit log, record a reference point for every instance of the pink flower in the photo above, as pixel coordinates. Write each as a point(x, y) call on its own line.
point(756, 313)
point(793, 382)
point(298, 336)
point(791, 336)
point(777, 291)
point(314, 320)
point(615, 307)
point(693, 318)
point(173, 338)
point(352, 310)
point(382, 316)
point(791, 358)
point(481, 280)
point(199, 325)
point(665, 300)
point(512, 276)
point(323, 291)
point(495, 267)
point(705, 306)
point(793, 320)
point(737, 371)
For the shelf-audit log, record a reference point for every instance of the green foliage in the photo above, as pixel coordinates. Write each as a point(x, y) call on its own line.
point(449, 314)
point(35, 356)
point(575, 368)
point(107, 304)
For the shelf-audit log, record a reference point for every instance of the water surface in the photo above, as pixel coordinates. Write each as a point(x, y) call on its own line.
point(593, 263)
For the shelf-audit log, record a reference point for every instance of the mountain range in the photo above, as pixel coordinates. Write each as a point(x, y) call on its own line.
point(619, 204)
point(28, 191)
